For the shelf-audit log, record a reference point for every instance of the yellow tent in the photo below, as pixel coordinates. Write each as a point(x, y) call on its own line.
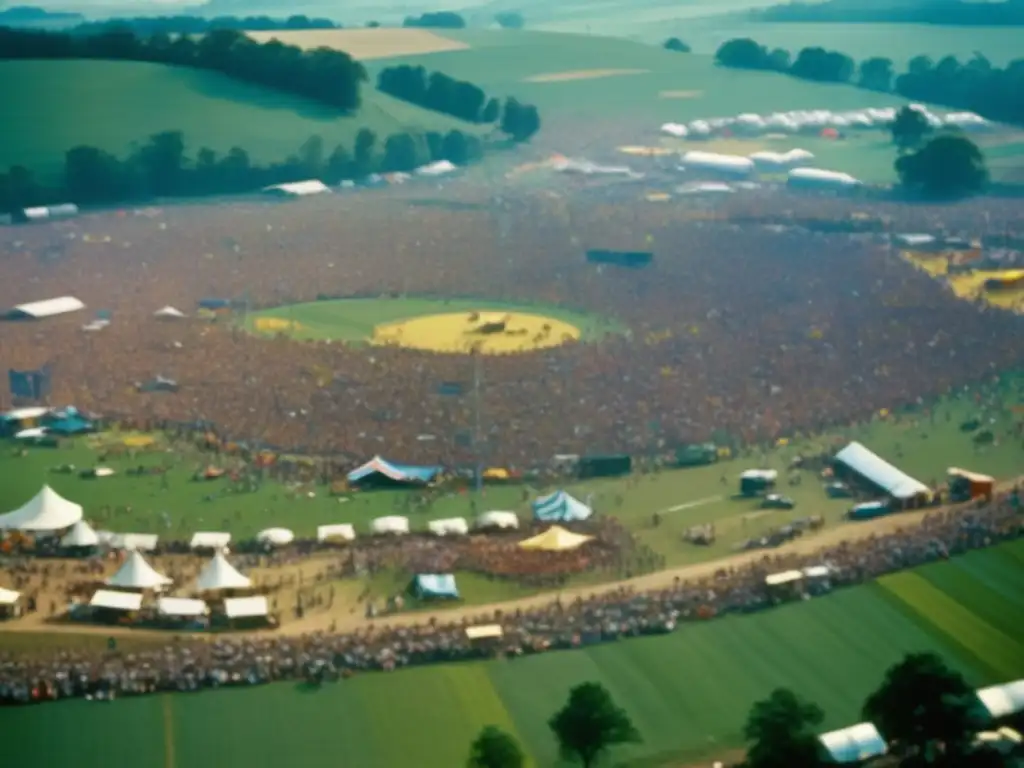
point(555, 539)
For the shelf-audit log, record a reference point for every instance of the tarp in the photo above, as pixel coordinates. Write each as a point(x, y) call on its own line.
point(879, 472)
point(498, 519)
point(428, 585)
point(1003, 700)
point(136, 573)
point(80, 535)
point(181, 606)
point(342, 531)
point(555, 539)
point(854, 744)
point(46, 511)
point(452, 526)
point(560, 507)
point(118, 601)
point(218, 573)
point(377, 469)
point(246, 607)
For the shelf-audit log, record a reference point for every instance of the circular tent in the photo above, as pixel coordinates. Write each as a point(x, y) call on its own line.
point(46, 511)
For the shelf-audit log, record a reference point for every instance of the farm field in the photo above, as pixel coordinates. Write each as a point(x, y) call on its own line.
point(116, 104)
point(687, 692)
point(365, 43)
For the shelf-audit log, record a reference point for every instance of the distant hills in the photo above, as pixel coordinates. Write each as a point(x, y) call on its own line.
point(1008, 13)
point(31, 16)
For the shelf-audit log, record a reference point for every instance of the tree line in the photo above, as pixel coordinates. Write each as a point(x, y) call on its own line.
point(925, 712)
point(461, 99)
point(436, 20)
point(197, 25)
point(976, 85)
point(1007, 13)
point(324, 75)
point(162, 167)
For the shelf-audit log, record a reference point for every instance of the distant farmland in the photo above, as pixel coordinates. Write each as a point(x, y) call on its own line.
point(687, 692)
point(52, 106)
point(365, 43)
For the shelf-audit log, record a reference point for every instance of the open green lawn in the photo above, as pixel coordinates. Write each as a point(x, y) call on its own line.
point(687, 692)
point(355, 319)
point(52, 106)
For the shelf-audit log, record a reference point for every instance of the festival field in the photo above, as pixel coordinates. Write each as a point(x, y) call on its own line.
point(686, 692)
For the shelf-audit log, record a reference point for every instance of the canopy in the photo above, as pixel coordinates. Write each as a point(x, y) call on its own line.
point(136, 573)
point(143, 542)
point(427, 585)
point(498, 519)
point(220, 574)
point(117, 601)
point(854, 744)
point(561, 507)
point(784, 577)
point(555, 539)
point(450, 526)
point(81, 535)
point(1003, 700)
point(379, 470)
point(46, 511)
point(210, 540)
point(181, 606)
point(390, 524)
point(278, 537)
point(246, 607)
point(343, 531)
point(879, 472)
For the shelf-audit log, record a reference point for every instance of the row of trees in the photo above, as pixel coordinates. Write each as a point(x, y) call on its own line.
point(439, 92)
point(162, 167)
point(950, 12)
point(328, 76)
point(977, 85)
point(436, 20)
point(197, 25)
point(927, 713)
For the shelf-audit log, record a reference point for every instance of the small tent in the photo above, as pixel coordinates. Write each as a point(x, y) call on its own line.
point(379, 472)
point(393, 524)
point(435, 586)
point(451, 526)
point(169, 313)
point(560, 507)
point(275, 537)
point(81, 535)
point(555, 539)
point(218, 573)
point(498, 519)
point(136, 573)
point(46, 511)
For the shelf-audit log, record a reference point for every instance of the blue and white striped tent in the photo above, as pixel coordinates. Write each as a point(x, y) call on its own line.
point(435, 585)
point(379, 468)
point(560, 507)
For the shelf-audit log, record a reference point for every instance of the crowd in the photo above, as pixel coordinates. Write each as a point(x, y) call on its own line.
point(251, 660)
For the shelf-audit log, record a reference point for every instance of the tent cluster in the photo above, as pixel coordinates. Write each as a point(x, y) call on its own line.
point(794, 162)
point(311, 187)
point(37, 422)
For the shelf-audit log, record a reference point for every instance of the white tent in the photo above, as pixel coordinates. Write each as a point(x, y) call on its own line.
point(136, 573)
point(46, 511)
point(277, 537)
point(246, 607)
point(143, 542)
point(220, 574)
point(80, 535)
point(439, 168)
point(451, 526)
point(395, 524)
point(117, 601)
point(181, 606)
point(498, 519)
point(8, 596)
point(336, 532)
point(169, 313)
point(210, 540)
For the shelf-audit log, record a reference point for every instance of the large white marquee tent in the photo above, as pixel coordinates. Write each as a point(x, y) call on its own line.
point(46, 511)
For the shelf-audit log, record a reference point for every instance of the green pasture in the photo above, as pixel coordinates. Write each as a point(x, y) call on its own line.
point(687, 692)
point(924, 447)
point(355, 319)
point(52, 106)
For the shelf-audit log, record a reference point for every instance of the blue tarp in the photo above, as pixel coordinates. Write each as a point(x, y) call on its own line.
point(70, 425)
point(560, 507)
point(214, 303)
point(427, 585)
point(378, 468)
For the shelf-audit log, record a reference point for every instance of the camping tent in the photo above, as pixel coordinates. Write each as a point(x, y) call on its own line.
point(560, 507)
point(555, 539)
point(432, 585)
point(136, 573)
point(46, 511)
point(80, 535)
point(378, 471)
point(220, 574)
point(169, 313)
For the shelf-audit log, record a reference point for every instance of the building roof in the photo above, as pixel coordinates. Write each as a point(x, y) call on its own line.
point(298, 188)
point(46, 511)
point(277, 537)
point(136, 573)
point(405, 473)
point(854, 744)
point(218, 573)
point(168, 312)
point(246, 607)
point(49, 307)
point(878, 471)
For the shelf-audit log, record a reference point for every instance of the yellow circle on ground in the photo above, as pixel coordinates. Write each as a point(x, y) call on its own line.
point(490, 333)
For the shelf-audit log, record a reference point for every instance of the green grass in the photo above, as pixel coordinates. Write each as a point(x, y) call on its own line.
point(355, 319)
point(52, 106)
point(687, 692)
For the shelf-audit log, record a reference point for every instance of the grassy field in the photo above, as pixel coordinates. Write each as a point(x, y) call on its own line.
point(355, 319)
point(116, 104)
point(687, 693)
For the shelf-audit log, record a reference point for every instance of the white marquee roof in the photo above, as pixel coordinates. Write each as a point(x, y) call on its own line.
point(80, 535)
point(8, 596)
point(50, 307)
point(220, 574)
point(344, 531)
point(246, 607)
point(46, 511)
point(136, 573)
point(118, 601)
point(210, 540)
point(181, 606)
point(390, 524)
point(277, 537)
point(449, 526)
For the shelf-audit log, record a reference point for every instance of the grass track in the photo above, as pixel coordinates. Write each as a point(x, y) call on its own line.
point(687, 692)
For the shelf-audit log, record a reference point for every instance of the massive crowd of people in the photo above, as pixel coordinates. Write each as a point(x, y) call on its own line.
point(254, 659)
point(751, 329)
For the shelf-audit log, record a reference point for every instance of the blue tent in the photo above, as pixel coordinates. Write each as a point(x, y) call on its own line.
point(560, 507)
point(70, 425)
point(378, 471)
point(434, 585)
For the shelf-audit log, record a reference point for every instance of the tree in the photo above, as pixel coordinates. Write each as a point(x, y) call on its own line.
point(339, 164)
point(363, 151)
point(590, 723)
point(93, 176)
point(492, 111)
point(876, 74)
point(742, 53)
point(399, 153)
point(510, 20)
point(675, 44)
point(922, 703)
point(520, 121)
point(311, 156)
point(816, 63)
point(493, 748)
point(909, 128)
point(455, 148)
point(782, 729)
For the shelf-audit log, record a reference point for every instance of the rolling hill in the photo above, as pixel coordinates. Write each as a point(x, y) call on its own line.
point(52, 106)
